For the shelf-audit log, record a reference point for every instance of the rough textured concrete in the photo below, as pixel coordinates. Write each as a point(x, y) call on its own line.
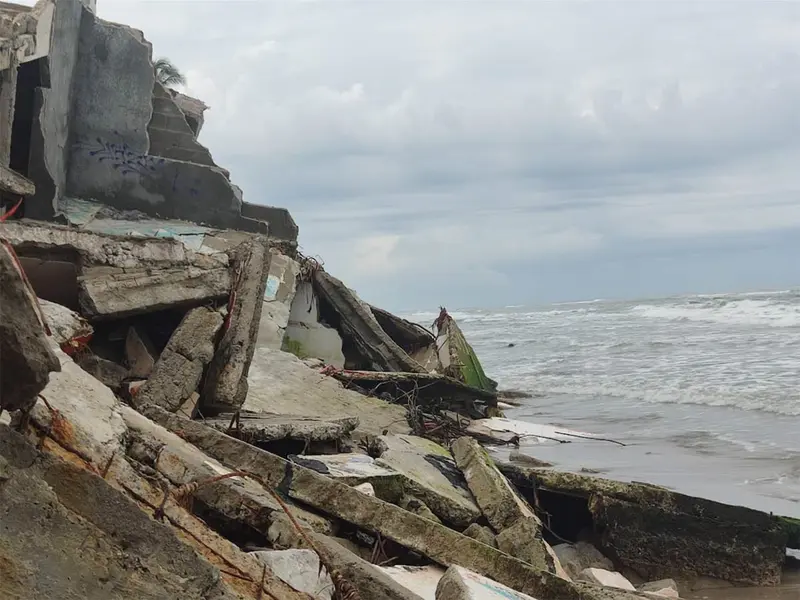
point(226, 380)
point(261, 427)
point(50, 139)
point(462, 584)
point(482, 534)
point(170, 133)
point(439, 543)
point(357, 469)
point(65, 325)
point(376, 350)
point(524, 540)
point(180, 367)
point(140, 354)
point(431, 475)
point(420, 580)
point(606, 578)
point(105, 371)
point(582, 555)
point(300, 569)
point(105, 295)
point(281, 383)
point(14, 183)
point(281, 224)
point(666, 588)
point(279, 294)
point(26, 358)
point(68, 534)
point(306, 336)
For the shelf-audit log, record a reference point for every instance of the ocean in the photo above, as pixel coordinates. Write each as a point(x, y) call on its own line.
point(704, 391)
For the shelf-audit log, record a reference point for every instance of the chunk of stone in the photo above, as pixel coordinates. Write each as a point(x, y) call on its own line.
point(462, 584)
point(439, 543)
point(582, 555)
point(418, 507)
point(226, 381)
point(262, 427)
point(500, 503)
point(365, 488)
point(606, 578)
point(665, 588)
point(105, 371)
point(524, 540)
point(431, 475)
point(26, 357)
point(481, 533)
point(356, 469)
point(139, 353)
point(66, 326)
point(419, 580)
point(300, 569)
point(180, 367)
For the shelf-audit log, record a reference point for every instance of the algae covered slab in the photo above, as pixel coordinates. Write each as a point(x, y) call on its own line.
point(658, 532)
point(457, 357)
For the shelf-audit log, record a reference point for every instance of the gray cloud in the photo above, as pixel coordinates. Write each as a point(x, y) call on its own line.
point(501, 152)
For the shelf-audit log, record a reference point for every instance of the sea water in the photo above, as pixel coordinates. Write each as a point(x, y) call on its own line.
point(704, 391)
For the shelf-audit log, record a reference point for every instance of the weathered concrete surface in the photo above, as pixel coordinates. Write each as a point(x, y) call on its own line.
point(661, 533)
point(66, 326)
point(439, 543)
point(280, 383)
point(666, 588)
point(169, 131)
point(377, 351)
point(180, 367)
point(524, 540)
point(26, 358)
point(140, 354)
point(579, 556)
point(86, 414)
point(606, 578)
point(262, 427)
point(481, 533)
point(300, 569)
point(456, 356)
point(105, 371)
point(462, 584)
point(237, 500)
point(105, 294)
point(14, 183)
point(431, 475)
point(226, 380)
point(420, 580)
point(68, 534)
point(357, 469)
point(411, 337)
point(306, 336)
point(281, 224)
point(279, 294)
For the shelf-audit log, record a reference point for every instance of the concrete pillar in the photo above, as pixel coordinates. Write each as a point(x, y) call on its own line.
point(8, 94)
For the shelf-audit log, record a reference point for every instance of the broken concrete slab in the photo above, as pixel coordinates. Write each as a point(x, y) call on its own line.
point(180, 367)
point(140, 354)
point(523, 540)
point(376, 350)
point(305, 335)
point(280, 383)
point(579, 556)
point(69, 534)
point(105, 371)
point(299, 569)
point(355, 469)
point(413, 338)
point(666, 588)
point(499, 430)
point(420, 580)
point(462, 584)
point(457, 357)
point(226, 381)
point(439, 543)
point(418, 507)
point(189, 408)
point(278, 298)
point(481, 533)
point(26, 358)
point(14, 183)
point(431, 475)
point(606, 578)
point(262, 427)
point(660, 533)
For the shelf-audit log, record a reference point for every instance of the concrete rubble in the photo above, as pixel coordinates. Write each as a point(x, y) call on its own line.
point(200, 411)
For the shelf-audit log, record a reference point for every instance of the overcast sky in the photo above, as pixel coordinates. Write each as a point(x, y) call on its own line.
point(488, 153)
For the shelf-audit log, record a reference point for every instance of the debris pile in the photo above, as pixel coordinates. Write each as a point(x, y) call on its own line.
point(200, 411)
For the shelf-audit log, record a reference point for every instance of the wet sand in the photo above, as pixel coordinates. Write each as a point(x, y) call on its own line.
point(788, 590)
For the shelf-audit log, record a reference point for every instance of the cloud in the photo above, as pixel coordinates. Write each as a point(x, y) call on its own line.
point(447, 143)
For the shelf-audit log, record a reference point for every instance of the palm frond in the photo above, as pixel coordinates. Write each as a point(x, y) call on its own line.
point(167, 73)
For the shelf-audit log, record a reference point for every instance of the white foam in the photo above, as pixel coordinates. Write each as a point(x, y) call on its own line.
point(734, 312)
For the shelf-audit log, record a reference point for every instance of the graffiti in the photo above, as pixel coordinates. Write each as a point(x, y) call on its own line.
point(121, 157)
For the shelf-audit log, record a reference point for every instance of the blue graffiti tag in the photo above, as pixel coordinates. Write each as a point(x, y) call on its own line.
point(121, 157)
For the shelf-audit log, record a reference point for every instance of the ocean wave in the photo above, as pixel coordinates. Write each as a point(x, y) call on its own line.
point(725, 311)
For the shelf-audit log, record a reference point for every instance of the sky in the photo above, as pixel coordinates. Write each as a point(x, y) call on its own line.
point(488, 153)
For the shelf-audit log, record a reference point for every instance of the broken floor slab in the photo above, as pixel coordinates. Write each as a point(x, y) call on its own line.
point(226, 379)
point(660, 533)
point(262, 427)
point(431, 475)
point(300, 569)
point(26, 357)
point(414, 339)
point(457, 357)
point(437, 542)
point(375, 349)
point(281, 383)
point(180, 367)
point(70, 330)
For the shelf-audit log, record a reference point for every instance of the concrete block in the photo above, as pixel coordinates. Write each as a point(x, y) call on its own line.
point(66, 326)
point(305, 336)
point(180, 367)
point(281, 223)
point(357, 469)
point(105, 371)
point(481, 533)
point(140, 354)
point(260, 427)
point(226, 381)
point(431, 475)
point(582, 555)
point(606, 578)
point(462, 584)
point(524, 540)
point(419, 580)
point(300, 569)
point(664, 588)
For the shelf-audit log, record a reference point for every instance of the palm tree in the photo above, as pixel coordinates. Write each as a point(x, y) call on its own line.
point(168, 74)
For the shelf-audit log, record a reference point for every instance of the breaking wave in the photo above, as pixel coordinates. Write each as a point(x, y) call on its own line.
point(746, 311)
